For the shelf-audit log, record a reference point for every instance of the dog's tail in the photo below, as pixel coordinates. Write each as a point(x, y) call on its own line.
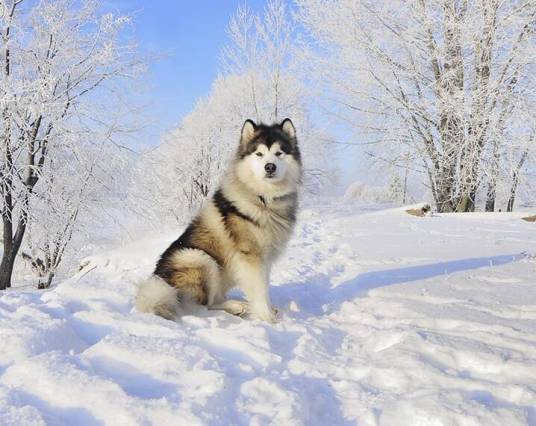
point(157, 297)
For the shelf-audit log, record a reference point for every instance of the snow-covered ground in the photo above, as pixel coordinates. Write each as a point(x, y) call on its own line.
point(386, 319)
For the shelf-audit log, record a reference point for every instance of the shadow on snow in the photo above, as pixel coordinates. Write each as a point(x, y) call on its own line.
point(313, 295)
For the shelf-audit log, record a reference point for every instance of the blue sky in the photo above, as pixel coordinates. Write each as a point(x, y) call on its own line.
point(189, 35)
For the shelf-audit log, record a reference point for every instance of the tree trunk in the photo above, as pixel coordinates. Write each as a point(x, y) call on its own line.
point(515, 182)
point(490, 197)
point(46, 284)
point(451, 124)
point(444, 205)
point(466, 204)
point(445, 182)
point(513, 190)
point(6, 267)
point(8, 258)
point(11, 248)
point(405, 193)
point(492, 186)
point(477, 130)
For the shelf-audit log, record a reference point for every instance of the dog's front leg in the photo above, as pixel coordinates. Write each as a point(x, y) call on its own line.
point(252, 278)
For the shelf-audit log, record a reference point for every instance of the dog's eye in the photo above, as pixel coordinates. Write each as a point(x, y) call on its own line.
point(278, 154)
point(259, 154)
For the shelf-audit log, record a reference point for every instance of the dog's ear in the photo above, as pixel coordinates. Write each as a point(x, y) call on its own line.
point(248, 130)
point(288, 127)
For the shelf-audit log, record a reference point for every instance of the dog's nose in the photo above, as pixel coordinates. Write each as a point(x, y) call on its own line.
point(270, 168)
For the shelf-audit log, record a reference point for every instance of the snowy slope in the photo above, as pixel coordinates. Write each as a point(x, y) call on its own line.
point(386, 319)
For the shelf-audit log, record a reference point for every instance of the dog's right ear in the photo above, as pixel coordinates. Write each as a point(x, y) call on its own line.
point(248, 130)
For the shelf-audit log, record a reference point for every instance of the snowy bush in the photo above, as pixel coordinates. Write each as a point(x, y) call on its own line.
point(361, 192)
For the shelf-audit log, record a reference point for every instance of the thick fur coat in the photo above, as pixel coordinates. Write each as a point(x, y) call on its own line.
point(237, 234)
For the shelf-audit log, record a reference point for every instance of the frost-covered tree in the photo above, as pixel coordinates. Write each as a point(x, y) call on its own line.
point(60, 61)
point(261, 51)
point(452, 81)
point(170, 182)
point(83, 182)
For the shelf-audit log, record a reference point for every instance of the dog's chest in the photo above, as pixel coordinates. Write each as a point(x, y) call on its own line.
point(276, 223)
point(264, 229)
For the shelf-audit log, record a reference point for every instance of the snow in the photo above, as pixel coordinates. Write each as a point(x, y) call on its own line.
point(386, 319)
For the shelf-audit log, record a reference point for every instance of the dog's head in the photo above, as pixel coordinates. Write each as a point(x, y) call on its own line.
point(268, 156)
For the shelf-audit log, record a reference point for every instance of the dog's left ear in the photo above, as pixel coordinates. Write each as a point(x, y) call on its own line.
point(288, 127)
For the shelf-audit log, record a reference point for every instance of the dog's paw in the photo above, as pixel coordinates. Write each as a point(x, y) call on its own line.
point(269, 315)
point(238, 308)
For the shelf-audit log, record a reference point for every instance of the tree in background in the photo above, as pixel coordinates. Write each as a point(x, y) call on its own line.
point(59, 58)
point(259, 80)
point(83, 183)
point(452, 81)
point(264, 51)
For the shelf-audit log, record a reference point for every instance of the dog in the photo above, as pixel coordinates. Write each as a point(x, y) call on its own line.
point(238, 233)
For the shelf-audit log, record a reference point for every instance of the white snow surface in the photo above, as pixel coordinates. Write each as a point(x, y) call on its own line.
point(385, 319)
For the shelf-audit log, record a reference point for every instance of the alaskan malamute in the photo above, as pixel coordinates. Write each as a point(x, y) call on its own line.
point(237, 234)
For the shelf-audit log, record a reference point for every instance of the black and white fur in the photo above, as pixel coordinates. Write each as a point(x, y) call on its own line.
point(237, 234)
